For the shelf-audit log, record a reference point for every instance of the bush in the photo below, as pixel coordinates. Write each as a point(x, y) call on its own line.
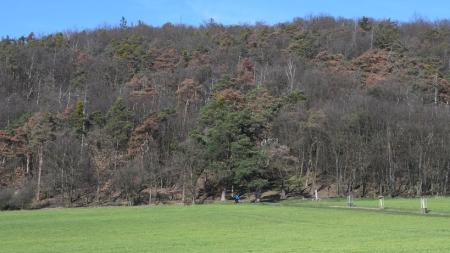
point(11, 199)
point(22, 198)
point(5, 197)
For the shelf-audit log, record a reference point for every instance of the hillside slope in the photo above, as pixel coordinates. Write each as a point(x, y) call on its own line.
point(134, 115)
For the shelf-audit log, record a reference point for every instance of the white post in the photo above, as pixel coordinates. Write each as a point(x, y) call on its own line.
point(222, 197)
point(316, 195)
point(381, 202)
point(423, 205)
point(349, 200)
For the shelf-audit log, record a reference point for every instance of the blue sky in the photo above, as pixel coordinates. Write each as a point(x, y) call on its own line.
point(20, 17)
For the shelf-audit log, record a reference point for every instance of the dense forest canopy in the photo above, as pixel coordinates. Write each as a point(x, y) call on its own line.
point(141, 114)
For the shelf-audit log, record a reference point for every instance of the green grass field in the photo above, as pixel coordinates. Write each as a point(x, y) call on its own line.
point(436, 205)
point(291, 226)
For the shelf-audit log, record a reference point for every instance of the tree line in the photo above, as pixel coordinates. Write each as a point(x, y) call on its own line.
point(142, 115)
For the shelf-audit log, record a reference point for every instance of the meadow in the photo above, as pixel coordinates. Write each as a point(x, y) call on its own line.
point(289, 226)
point(437, 206)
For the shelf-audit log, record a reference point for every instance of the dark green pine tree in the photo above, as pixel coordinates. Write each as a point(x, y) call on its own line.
point(119, 123)
point(77, 119)
point(123, 23)
point(364, 23)
point(228, 134)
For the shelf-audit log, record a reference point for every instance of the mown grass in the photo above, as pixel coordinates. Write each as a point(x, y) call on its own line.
point(291, 226)
point(436, 205)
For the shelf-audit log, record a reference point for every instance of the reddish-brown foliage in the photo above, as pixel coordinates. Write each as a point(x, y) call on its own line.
point(245, 71)
point(12, 145)
point(141, 87)
point(166, 59)
point(377, 65)
point(189, 89)
point(142, 133)
point(199, 59)
point(230, 95)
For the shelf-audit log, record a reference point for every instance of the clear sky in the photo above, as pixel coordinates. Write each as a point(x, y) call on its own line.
point(20, 17)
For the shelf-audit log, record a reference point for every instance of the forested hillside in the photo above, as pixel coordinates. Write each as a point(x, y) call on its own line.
point(139, 114)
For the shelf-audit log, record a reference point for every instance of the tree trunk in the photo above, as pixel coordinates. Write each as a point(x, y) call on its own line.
point(60, 95)
point(97, 193)
point(38, 190)
point(193, 185)
point(302, 164)
point(38, 92)
point(316, 165)
point(186, 106)
point(390, 163)
point(371, 38)
point(444, 190)
point(419, 187)
point(28, 163)
point(150, 196)
point(116, 151)
point(436, 91)
point(68, 99)
point(184, 188)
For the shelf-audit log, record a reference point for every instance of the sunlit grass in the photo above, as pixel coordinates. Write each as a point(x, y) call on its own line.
point(436, 205)
point(292, 226)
